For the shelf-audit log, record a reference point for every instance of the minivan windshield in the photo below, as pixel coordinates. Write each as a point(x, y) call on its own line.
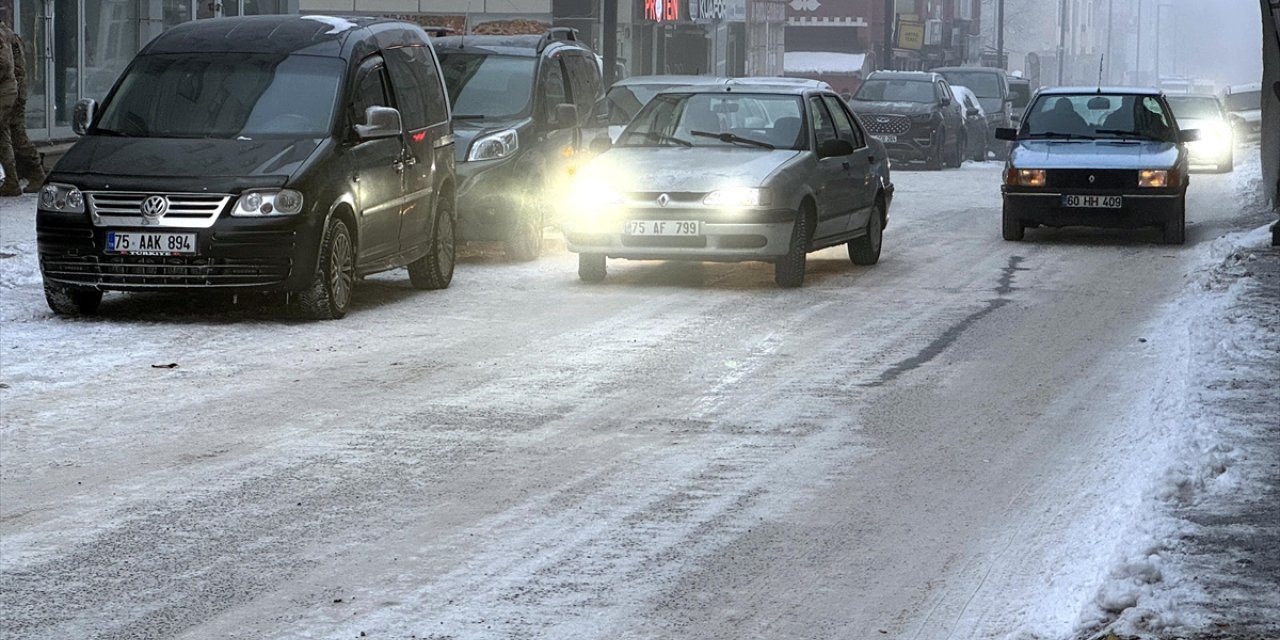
point(224, 95)
point(896, 91)
point(484, 85)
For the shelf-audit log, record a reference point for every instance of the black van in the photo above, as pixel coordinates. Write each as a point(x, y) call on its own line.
point(523, 113)
point(277, 153)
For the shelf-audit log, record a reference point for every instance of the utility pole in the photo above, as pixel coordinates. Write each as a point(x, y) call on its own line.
point(1000, 35)
point(609, 16)
point(1137, 50)
point(890, 18)
point(1062, 40)
point(1159, 37)
point(1111, 21)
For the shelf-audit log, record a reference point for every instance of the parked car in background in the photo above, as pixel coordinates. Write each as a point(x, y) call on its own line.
point(1097, 156)
point(224, 160)
point(914, 114)
point(1216, 144)
point(626, 97)
point(522, 111)
point(991, 85)
point(1244, 110)
point(1020, 95)
point(975, 124)
point(733, 173)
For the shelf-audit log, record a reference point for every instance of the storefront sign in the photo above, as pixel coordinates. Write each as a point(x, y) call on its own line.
point(662, 10)
point(910, 35)
point(707, 9)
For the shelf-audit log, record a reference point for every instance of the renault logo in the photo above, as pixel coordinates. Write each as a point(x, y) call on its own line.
point(1093, 179)
point(154, 208)
point(663, 200)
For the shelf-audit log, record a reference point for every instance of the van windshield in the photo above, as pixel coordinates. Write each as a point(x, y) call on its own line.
point(224, 96)
point(485, 85)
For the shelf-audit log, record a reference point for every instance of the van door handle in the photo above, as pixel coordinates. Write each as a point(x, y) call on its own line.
point(845, 164)
point(399, 166)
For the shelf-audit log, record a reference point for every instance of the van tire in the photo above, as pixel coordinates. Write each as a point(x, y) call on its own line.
point(71, 301)
point(435, 269)
point(329, 294)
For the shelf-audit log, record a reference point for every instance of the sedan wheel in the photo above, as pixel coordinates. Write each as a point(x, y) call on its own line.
point(788, 271)
point(865, 250)
point(591, 267)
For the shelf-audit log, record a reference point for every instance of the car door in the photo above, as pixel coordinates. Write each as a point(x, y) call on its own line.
point(861, 180)
point(834, 181)
point(952, 114)
point(418, 91)
point(377, 168)
point(557, 141)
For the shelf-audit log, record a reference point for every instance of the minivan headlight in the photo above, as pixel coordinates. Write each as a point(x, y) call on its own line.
point(61, 197)
point(494, 145)
point(274, 202)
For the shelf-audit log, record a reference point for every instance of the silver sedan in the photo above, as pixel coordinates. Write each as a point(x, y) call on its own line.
point(733, 173)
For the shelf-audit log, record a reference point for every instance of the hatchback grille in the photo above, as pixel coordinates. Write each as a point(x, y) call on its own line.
point(165, 271)
point(887, 124)
point(190, 210)
point(1092, 179)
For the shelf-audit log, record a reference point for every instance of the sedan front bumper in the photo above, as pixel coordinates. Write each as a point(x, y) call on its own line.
point(760, 235)
point(1137, 210)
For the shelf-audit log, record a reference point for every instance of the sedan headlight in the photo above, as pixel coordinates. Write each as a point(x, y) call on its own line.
point(62, 197)
point(1154, 178)
point(737, 197)
point(494, 146)
point(281, 202)
point(1026, 177)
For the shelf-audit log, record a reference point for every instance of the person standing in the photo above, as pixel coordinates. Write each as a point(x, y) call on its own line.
point(8, 100)
point(26, 158)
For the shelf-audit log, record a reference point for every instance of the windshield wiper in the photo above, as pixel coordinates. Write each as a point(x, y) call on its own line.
point(468, 116)
point(732, 137)
point(658, 137)
point(1129, 134)
point(1054, 135)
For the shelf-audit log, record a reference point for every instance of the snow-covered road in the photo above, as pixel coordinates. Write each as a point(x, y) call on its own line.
point(968, 440)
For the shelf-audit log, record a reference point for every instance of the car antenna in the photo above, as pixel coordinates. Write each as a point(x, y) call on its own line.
point(1101, 59)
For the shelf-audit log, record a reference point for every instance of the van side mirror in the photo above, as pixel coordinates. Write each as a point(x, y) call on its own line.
point(380, 122)
point(1189, 135)
point(834, 148)
point(973, 111)
point(565, 116)
point(82, 118)
point(1006, 133)
point(945, 101)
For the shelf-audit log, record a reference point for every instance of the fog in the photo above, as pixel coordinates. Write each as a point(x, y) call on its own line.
point(1220, 40)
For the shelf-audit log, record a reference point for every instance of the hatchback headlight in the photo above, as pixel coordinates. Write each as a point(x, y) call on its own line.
point(1026, 177)
point(494, 146)
point(1155, 178)
point(61, 197)
point(737, 197)
point(281, 202)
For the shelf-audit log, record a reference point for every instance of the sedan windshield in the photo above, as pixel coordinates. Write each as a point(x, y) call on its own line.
point(759, 121)
point(896, 91)
point(488, 86)
point(1091, 116)
point(224, 96)
point(1195, 107)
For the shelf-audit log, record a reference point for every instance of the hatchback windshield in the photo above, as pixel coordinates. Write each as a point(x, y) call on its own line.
point(1095, 115)
point(760, 121)
point(1195, 107)
point(486, 85)
point(224, 96)
point(1244, 101)
point(983, 85)
point(625, 101)
point(896, 91)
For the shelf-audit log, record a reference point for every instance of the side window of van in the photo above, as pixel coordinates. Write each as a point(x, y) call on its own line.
point(418, 89)
point(582, 73)
point(551, 87)
point(371, 89)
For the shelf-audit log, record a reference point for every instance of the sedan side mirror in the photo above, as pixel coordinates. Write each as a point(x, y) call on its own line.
point(834, 148)
point(945, 101)
point(600, 145)
point(82, 117)
point(1189, 135)
point(380, 122)
point(565, 116)
point(1006, 133)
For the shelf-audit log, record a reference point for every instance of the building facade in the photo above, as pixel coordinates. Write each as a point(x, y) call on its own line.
point(76, 48)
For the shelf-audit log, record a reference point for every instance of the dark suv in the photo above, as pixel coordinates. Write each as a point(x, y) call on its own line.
point(991, 85)
point(522, 111)
point(914, 114)
point(277, 153)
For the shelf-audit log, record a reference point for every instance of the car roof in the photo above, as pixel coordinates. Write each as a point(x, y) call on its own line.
point(991, 70)
point(682, 80)
point(921, 76)
point(1137, 91)
point(1202, 96)
point(751, 87)
point(313, 34)
point(514, 45)
point(1244, 88)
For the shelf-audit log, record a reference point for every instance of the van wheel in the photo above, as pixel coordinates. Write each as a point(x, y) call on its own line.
point(955, 159)
point(788, 271)
point(1012, 228)
point(525, 243)
point(71, 301)
point(329, 293)
point(435, 270)
point(865, 250)
point(591, 267)
point(934, 161)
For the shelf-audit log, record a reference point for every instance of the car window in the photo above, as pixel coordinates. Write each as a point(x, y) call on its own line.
point(416, 85)
point(824, 129)
point(982, 83)
point(1196, 107)
point(551, 85)
point(1021, 94)
point(1094, 115)
point(844, 124)
point(877, 90)
point(671, 119)
point(371, 89)
point(484, 85)
point(581, 71)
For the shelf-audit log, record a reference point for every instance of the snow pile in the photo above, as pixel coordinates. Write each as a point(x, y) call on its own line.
point(823, 62)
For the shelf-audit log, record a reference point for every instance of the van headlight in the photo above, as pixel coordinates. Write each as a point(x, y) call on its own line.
point(494, 146)
point(61, 197)
point(268, 202)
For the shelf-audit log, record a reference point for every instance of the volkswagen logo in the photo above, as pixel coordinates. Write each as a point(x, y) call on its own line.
point(154, 207)
point(1093, 179)
point(663, 200)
